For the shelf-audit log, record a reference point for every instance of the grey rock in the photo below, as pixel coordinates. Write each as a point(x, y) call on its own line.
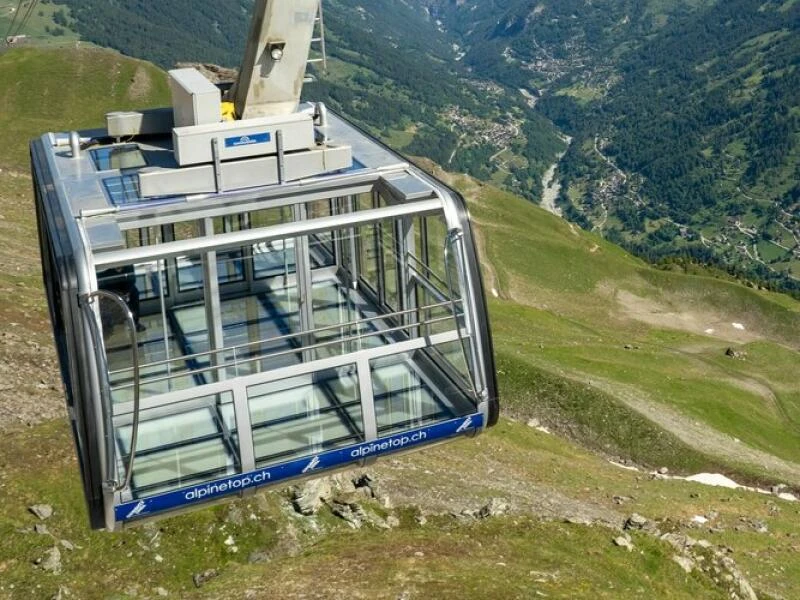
point(635, 522)
point(676, 540)
point(235, 515)
point(663, 471)
point(343, 483)
point(421, 520)
point(534, 423)
point(369, 485)
point(364, 482)
point(200, 579)
point(685, 563)
point(349, 510)
point(730, 352)
point(161, 592)
point(308, 498)
point(257, 557)
point(41, 529)
point(392, 521)
point(624, 542)
point(43, 511)
point(67, 545)
point(495, 508)
point(61, 594)
point(51, 562)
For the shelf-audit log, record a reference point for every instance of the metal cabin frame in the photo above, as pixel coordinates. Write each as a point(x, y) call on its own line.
point(92, 218)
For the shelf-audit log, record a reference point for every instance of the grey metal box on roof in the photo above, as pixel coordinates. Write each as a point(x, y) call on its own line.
point(105, 234)
point(196, 101)
point(408, 187)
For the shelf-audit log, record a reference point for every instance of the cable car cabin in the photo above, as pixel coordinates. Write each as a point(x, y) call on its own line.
point(242, 333)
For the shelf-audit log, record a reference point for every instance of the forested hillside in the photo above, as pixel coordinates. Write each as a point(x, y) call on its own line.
point(685, 115)
point(390, 69)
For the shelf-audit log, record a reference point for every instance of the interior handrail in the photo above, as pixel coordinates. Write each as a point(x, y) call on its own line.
point(432, 275)
point(234, 349)
point(453, 236)
point(288, 336)
point(113, 484)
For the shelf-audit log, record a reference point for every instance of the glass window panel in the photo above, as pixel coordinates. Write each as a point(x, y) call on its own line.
point(305, 415)
point(230, 266)
point(410, 391)
point(419, 247)
point(230, 269)
point(321, 250)
point(436, 232)
point(391, 295)
point(123, 191)
point(368, 255)
point(341, 313)
point(128, 156)
point(148, 282)
point(435, 313)
point(160, 348)
point(454, 354)
point(190, 273)
point(345, 241)
point(318, 209)
point(364, 201)
point(187, 230)
point(275, 258)
point(271, 216)
point(259, 325)
point(183, 444)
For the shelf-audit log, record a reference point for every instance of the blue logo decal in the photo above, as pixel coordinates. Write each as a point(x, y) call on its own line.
point(248, 140)
point(314, 463)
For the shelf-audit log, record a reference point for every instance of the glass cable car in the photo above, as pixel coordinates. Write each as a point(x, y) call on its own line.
point(241, 302)
point(213, 343)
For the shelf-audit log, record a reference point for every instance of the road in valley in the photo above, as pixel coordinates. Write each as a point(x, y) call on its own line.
point(551, 187)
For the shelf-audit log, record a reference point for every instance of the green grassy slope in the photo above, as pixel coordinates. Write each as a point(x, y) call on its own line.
point(567, 305)
point(571, 304)
point(40, 29)
point(66, 89)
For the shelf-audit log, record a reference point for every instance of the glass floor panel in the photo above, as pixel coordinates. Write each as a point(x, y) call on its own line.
point(274, 258)
point(305, 414)
point(301, 438)
point(155, 379)
point(405, 399)
point(174, 468)
point(249, 322)
point(181, 444)
point(336, 304)
point(195, 441)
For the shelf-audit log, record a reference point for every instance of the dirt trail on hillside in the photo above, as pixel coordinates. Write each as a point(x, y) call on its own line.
point(423, 483)
point(695, 321)
point(30, 386)
point(699, 435)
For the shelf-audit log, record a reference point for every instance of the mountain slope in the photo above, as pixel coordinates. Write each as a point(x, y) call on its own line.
point(390, 69)
point(568, 304)
point(685, 116)
point(684, 113)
